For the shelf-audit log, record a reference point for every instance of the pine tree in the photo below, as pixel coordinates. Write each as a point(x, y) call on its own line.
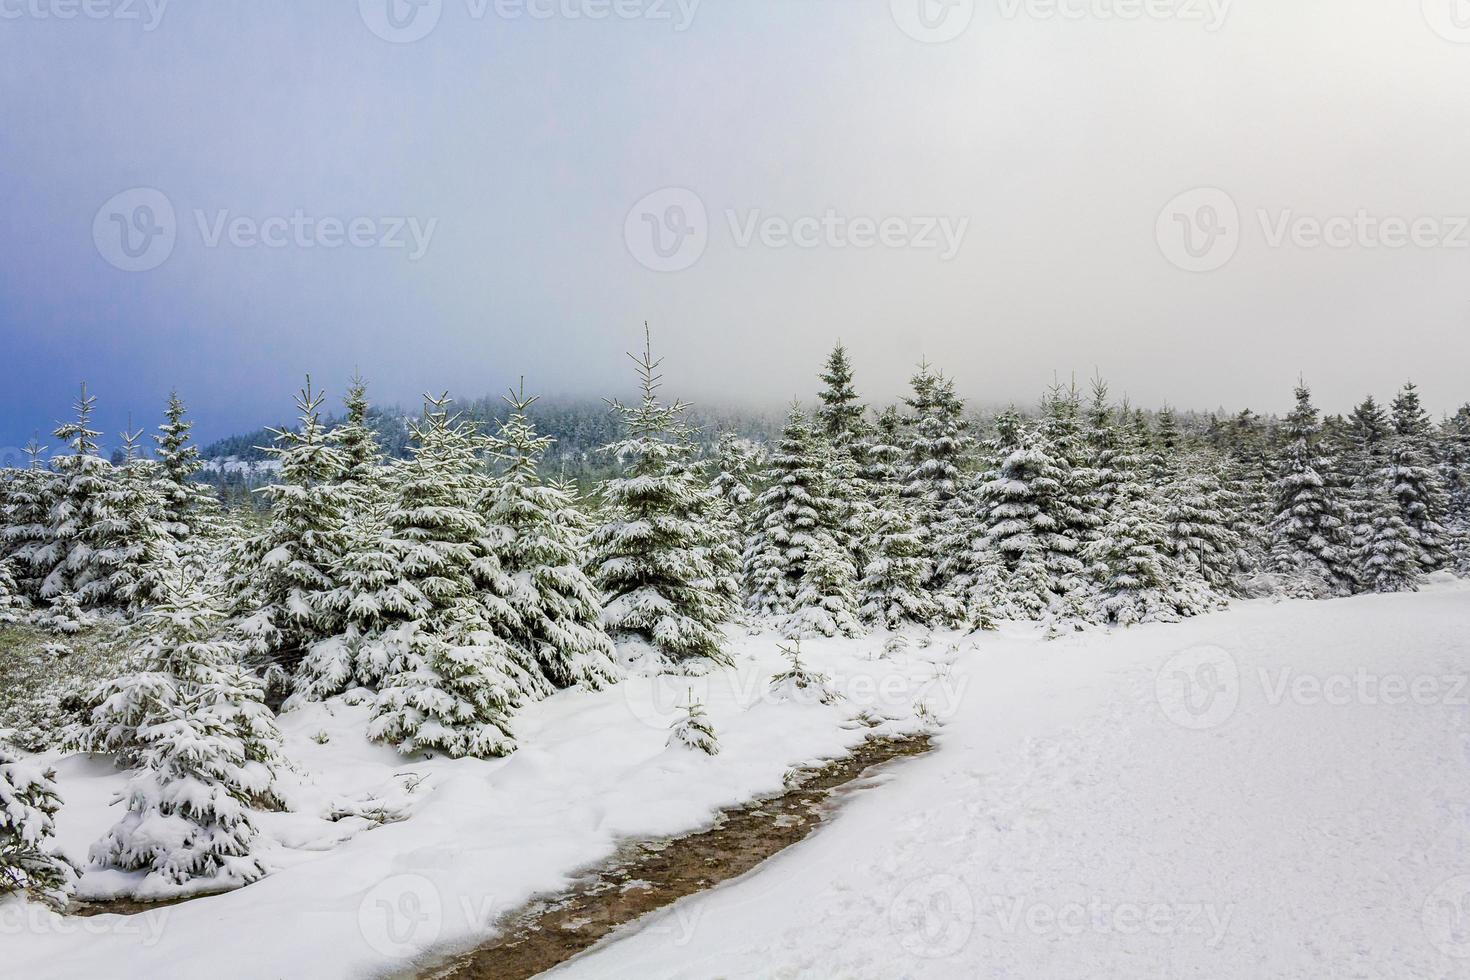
point(1310, 527)
point(29, 861)
point(826, 599)
point(186, 508)
point(800, 683)
point(193, 723)
point(1388, 556)
point(131, 549)
point(558, 609)
point(1455, 474)
point(1416, 483)
point(1029, 523)
point(1135, 576)
point(791, 515)
point(1199, 523)
point(26, 529)
point(650, 556)
point(840, 419)
point(932, 479)
point(372, 595)
point(453, 676)
point(693, 731)
point(68, 560)
point(358, 443)
point(283, 573)
point(12, 602)
point(893, 590)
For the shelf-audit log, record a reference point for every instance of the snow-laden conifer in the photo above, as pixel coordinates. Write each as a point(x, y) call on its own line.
point(794, 510)
point(1309, 531)
point(538, 530)
point(283, 572)
point(452, 676)
point(693, 730)
point(651, 553)
point(192, 723)
point(186, 508)
point(29, 861)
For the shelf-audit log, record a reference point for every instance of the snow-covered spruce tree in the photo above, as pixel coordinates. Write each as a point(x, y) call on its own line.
point(841, 425)
point(283, 572)
point(1362, 453)
point(371, 596)
point(1250, 473)
point(1416, 482)
point(650, 554)
point(931, 478)
point(1387, 552)
point(186, 508)
point(893, 589)
point(795, 509)
point(736, 466)
point(721, 554)
point(453, 676)
point(537, 537)
point(26, 528)
point(827, 597)
point(1200, 515)
point(1455, 472)
point(1135, 577)
point(68, 560)
point(131, 550)
point(29, 862)
point(693, 730)
point(358, 443)
point(1310, 534)
point(1029, 525)
point(192, 723)
point(12, 603)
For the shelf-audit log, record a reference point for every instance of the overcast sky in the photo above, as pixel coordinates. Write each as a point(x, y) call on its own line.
point(470, 190)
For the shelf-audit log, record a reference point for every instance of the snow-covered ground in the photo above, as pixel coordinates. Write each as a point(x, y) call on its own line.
point(1279, 790)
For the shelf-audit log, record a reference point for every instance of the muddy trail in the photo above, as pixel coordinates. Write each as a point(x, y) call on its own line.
point(644, 876)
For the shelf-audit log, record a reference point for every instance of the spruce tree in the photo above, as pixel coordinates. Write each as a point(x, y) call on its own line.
point(192, 723)
point(186, 508)
point(558, 609)
point(893, 585)
point(1030, 524)
point(650, 556)
point(68, 560)
point(826, 599)
point(1199, 518)
point(283, 572)
point(1416, 483)
point(29, 862)
point(358, 443)
point(693, 731)
point(1309, 530)
point(1387, 553)
point(931, 478)
point(26, 529)
point(791, 515)
point(452, 676)
point(1455, 474)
